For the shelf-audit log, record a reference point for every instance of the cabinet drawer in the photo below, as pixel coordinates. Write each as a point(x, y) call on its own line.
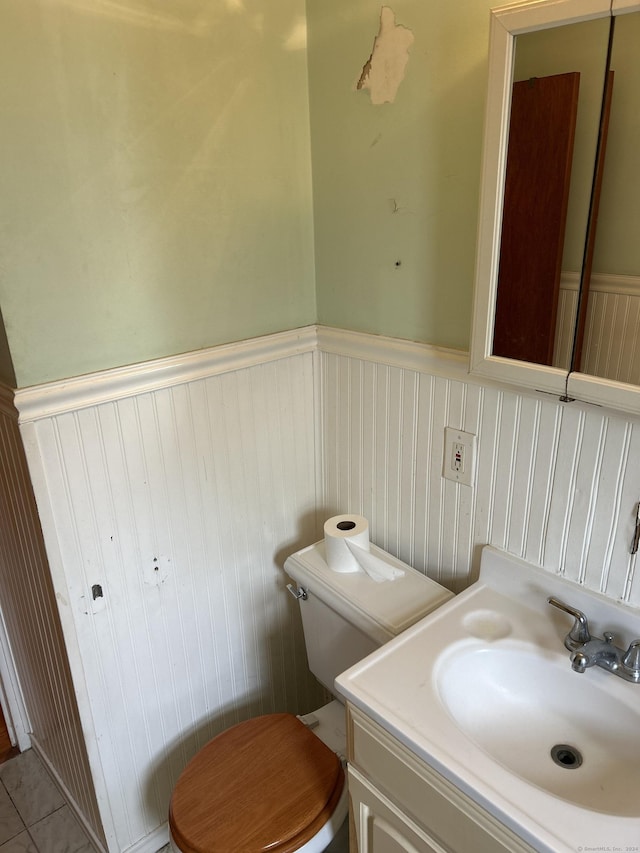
point(443, 811)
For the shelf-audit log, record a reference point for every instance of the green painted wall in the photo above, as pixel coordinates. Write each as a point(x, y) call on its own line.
point(396, 185)
point(618, 236)
point(156, 195)
point(155, 184)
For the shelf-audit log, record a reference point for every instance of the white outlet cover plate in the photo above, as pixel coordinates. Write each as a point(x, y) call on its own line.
point(468, 440)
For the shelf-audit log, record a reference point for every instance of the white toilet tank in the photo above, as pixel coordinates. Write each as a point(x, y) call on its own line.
point(346, 616)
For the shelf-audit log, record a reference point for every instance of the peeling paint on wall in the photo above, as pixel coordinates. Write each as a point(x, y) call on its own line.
point(384, 70)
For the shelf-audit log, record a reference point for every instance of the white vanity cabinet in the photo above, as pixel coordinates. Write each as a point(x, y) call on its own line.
point(401, 805)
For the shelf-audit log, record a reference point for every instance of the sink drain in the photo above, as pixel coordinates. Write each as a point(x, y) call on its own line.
point(566, 756)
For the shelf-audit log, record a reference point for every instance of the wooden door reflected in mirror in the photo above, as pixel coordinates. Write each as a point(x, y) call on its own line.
point(536, 194)
point(557, 94)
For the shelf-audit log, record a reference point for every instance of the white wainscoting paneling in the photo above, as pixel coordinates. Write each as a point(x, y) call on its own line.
point(43, 702)
point(168, 509)
point(556, 484)
point(566, 319)
point(612, 333)
point(611, 347)
point(171, 513)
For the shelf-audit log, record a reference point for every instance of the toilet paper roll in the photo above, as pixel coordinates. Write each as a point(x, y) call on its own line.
point(337, 532)
point(347, 548)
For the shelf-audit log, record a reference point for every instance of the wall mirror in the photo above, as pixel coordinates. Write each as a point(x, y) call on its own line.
point(557, 296)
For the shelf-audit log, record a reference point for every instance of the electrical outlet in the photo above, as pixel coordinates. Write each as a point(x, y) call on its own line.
point(458, 457)
point(459, 461)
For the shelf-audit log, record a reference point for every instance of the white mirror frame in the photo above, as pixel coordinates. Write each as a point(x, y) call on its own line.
point(506, 23)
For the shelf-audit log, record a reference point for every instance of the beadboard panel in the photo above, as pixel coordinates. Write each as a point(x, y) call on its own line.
point(556, 484)
point(168, 509)
point(45, 694)
point(565, 321)
point(172, 512)
point(611, 347)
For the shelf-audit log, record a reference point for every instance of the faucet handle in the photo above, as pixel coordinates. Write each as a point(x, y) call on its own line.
point(579, 634)
point(631, 659)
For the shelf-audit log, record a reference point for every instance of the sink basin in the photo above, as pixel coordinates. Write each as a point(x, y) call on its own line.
point(557, 729)
point(482, 691)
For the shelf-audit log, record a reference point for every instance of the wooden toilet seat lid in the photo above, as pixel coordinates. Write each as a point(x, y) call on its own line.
point(267, 784)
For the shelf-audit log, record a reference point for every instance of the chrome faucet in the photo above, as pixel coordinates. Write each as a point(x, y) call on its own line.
point(589, 651)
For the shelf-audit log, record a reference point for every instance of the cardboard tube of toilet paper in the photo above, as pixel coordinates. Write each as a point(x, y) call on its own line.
point(337, 531)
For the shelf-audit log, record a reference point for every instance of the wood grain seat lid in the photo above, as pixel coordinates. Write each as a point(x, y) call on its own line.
point(267, 784)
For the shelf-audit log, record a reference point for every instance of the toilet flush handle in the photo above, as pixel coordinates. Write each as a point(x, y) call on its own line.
point(297, 592)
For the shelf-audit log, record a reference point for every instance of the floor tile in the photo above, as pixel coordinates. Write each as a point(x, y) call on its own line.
point(22, 843)
point(30, 787)
point(10, 822)
point(60, 833)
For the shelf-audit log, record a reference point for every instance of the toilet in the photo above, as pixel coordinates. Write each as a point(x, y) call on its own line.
point(276, 782)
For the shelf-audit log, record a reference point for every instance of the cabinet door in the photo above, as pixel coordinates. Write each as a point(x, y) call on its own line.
point(380, 825)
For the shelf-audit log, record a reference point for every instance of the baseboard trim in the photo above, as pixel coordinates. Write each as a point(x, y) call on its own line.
point(153, 842)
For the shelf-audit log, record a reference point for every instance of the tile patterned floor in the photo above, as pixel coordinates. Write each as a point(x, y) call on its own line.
point(33, 816)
